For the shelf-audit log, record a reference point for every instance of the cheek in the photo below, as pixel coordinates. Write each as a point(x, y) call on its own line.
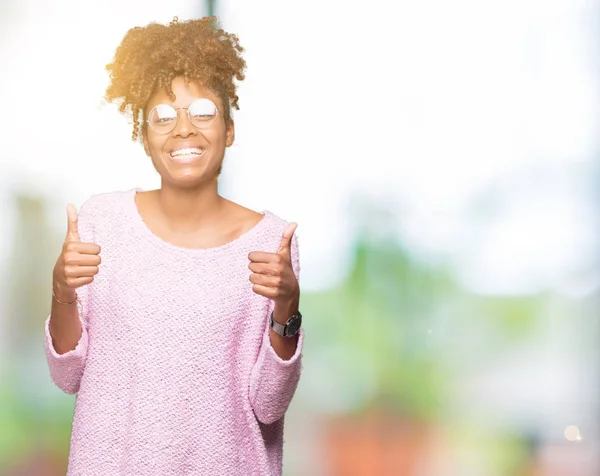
point(215, 139)
point(155, 145)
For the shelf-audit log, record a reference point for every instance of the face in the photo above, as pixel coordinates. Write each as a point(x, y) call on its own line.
point(201, 165)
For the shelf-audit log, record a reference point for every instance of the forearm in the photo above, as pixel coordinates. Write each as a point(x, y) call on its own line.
point(275, 376)
point(65, 326)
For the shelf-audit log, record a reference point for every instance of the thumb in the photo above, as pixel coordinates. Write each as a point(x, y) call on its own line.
point(72, 229)
point(285, 248)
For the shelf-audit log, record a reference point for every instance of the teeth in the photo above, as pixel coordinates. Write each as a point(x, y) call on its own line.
point(190, 151)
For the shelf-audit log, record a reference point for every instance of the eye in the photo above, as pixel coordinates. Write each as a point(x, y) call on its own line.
point(162, 117)
point(203, 109)
point(163, 111)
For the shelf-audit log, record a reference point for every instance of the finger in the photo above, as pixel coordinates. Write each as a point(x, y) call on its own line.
point(264, 257)
point(268, 281)
point(268, 269)
point(72, 225)
point(83, 248)
point(265, 291)
point(76, 259)
point(80, 271)
point(78, 282)
point(285, 247)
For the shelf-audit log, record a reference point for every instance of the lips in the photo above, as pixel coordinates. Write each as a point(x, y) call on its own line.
point(186, 152)
point(186, 155)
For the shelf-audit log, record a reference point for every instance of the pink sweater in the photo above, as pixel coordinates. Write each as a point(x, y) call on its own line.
point(174, 371)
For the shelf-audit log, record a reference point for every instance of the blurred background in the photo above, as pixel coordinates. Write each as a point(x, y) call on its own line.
point(442, 161)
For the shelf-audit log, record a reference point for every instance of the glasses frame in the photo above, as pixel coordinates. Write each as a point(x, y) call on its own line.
point(187, 109)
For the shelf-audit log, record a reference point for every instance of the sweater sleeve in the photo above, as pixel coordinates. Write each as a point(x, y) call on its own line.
point(274, 380)
point(66, 369)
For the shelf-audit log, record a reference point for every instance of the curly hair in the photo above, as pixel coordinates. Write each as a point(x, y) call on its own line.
point(150, 58)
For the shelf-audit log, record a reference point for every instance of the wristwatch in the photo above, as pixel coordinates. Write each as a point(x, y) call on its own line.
point(290, 328)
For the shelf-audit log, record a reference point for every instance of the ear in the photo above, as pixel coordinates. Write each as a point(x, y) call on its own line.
point(229, 133)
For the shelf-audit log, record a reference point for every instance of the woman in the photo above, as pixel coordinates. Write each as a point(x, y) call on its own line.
point(175, 311)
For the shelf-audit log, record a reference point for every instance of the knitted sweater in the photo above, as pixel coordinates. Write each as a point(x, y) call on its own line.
point(174, 372)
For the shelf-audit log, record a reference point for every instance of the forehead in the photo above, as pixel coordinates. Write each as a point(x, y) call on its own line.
point(185, 94)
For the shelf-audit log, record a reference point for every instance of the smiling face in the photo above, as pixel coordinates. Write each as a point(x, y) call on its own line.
point(188, 156)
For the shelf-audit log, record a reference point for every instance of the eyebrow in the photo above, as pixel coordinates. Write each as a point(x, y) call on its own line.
point(191, 102)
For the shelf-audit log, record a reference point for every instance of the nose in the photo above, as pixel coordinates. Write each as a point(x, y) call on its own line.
point(183, 128)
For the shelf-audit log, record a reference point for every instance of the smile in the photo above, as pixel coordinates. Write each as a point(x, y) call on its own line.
point(186, 155)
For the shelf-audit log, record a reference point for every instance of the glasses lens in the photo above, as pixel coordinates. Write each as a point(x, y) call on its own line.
point(203, 113)
point(163, 118)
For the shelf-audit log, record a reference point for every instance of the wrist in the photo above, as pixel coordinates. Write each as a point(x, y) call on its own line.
point(63, 292)
point(284, 310)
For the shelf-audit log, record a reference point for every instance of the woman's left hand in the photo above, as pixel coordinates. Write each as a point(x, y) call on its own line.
point(272, 273)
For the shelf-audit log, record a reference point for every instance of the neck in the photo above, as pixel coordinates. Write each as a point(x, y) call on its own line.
point(188, 210)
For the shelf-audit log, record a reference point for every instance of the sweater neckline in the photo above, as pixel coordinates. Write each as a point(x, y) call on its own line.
point(139, 224)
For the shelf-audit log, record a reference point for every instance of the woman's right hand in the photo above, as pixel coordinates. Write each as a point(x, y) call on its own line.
point(77, 264)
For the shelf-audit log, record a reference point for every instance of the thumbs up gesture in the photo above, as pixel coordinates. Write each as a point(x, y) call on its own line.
point(78, 262)
point(272, 273)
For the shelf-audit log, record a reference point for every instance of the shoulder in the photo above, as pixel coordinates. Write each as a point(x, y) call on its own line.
point(274, 228)
point(271, 229)
point(242, 217)
point(247, 220)
point(102, 208)
point(275, 222)
point(100, 203)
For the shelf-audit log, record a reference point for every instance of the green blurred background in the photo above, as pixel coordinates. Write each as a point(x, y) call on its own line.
point(444, 175)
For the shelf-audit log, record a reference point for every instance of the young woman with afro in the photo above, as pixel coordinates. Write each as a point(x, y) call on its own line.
point(175, 312)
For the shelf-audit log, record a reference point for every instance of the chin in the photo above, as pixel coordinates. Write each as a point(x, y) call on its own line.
point(190, 181)
point(187, 176)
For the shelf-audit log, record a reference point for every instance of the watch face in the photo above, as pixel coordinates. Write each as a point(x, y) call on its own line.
point(293, 325)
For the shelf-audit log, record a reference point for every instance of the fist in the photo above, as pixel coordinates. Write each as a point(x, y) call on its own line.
point(272, 273)
point(78, 262)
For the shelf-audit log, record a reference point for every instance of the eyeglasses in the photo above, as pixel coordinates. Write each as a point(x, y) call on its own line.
point(202, 113)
